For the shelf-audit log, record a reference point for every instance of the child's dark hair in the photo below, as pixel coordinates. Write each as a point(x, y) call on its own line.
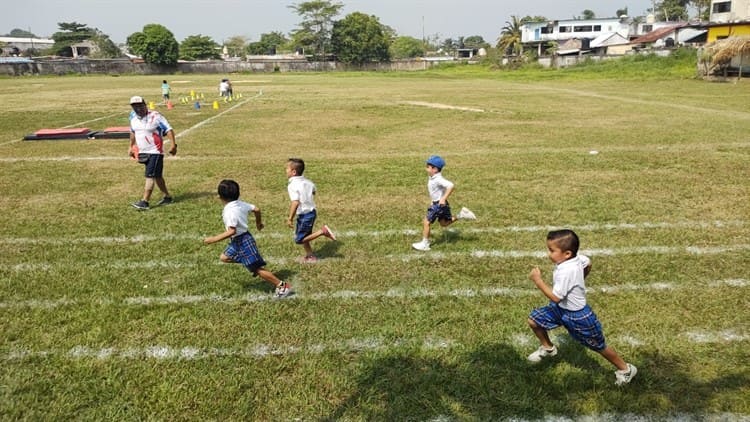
point(298, 165)
point(565, 239)
point(164, 81)
point(229, 190)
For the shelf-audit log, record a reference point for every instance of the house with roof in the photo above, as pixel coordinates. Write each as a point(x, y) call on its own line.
point(728, 18)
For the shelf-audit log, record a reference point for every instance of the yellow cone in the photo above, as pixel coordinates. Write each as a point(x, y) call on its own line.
point(216, 105)
point(151, 105)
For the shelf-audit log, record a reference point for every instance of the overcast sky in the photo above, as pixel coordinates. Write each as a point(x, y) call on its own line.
point(221, 19)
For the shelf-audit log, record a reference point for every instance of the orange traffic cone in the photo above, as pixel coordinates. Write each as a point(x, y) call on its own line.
point(169, 105)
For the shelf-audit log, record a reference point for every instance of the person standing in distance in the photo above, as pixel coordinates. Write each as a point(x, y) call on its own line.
point(147, 131)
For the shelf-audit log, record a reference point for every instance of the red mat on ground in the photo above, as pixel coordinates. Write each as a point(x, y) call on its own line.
point(117, 129)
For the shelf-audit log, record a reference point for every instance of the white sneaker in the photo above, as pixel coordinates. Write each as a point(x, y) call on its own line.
point(542, 353)
point(284, 290)
point(465, 214)
point(423, 245)
point(624, 377)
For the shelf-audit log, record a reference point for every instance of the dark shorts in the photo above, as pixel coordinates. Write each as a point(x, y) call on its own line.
point(582, 325)
point(154, 165)
point(304, 227)
point(242, 249)
point(437, 212)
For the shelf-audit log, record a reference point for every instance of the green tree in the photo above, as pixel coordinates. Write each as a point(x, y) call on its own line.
point(475, 41)
point(536, 18)
point(155, 44)
point(359, 38)
point(70, 33)
point(703, 8)
point(672, 10)
point(236, 46)
point(20, 33)
point(106, 48)
point(624, 11)
point(269, 42)
point(509, 42)
point(588, 14)
point(314, 32)
point(406, 48)
point(199, 47)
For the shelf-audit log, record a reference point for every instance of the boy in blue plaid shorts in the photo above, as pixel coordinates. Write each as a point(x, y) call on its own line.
point(242, 248)
point(568, 306)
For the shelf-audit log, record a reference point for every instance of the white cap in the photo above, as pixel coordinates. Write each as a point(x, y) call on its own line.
point(136, 100)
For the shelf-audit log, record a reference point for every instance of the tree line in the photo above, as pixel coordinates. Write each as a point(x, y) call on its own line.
point(357, 38)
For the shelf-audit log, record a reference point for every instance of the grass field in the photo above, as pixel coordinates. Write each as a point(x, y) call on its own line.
point(108, 313)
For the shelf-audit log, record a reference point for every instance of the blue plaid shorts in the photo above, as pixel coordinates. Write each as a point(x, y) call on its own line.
point(436, 212)
point(304, 227)
point(582, 325)
point(242, 249)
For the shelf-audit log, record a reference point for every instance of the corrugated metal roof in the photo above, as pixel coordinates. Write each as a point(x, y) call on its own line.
point(656, 34)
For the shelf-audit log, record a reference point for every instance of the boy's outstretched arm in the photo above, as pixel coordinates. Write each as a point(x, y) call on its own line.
point(219, 237)
point(536, 276)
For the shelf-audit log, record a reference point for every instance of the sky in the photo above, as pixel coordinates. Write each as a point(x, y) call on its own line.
point(222, 19)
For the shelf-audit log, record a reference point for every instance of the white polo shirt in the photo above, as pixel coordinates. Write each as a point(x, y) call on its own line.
point(437, 185)
point(149, 131)
point(235, 215)
point(302, 190)
point(568, 283)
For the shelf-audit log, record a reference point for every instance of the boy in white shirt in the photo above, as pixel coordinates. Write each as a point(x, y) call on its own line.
point(301, 192)
point(439, 189)
point(242, 248)
point(568, 306)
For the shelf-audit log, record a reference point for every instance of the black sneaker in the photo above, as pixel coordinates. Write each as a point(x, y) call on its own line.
point(141, 205)
point(165, 201)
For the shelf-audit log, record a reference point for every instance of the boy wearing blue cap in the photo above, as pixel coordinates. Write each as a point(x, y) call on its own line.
point(439, 189)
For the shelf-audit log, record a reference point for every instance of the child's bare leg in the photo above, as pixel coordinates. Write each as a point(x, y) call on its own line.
point(269, 277)
point(615, 359)
point(307, 247)
point(541, 334)
point(312, 236)
point(225, 259)
point(425, 229)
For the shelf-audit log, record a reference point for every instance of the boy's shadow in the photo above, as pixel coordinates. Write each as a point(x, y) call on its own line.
point(450, 235)
point(495, 382)
point(256, 284)
point(329, 250)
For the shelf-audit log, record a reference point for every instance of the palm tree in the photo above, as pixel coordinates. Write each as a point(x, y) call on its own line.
point(510, 37)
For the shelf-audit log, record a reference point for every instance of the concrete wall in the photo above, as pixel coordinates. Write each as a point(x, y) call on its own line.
point(125, 66)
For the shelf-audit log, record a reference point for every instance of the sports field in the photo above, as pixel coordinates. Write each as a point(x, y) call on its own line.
point(109, 313)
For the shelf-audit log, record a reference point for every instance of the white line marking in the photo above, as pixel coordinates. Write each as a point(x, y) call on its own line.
point(431, 256)
point(212, 118)
point(380, 233)
point(347, 295)
point(263, 350)
point(94, 120)
point(442, 106)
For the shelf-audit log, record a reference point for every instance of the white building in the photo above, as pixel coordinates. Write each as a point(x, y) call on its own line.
point(12, 46)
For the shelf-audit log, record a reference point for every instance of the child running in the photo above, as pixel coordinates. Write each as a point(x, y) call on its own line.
point(301, 191)
point(567, 306)
point(242, 248)
point(439, 189)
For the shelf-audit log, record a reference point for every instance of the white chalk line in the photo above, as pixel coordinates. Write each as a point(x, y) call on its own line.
point(340, 295)
point(694, 225)
point(442, 106)
point(418, 256)
point(212, 118)
point(353, 345)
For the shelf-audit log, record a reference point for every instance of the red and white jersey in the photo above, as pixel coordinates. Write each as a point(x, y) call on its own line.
point(149, 131)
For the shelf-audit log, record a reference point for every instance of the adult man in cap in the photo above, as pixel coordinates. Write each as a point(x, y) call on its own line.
point(147, 131)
